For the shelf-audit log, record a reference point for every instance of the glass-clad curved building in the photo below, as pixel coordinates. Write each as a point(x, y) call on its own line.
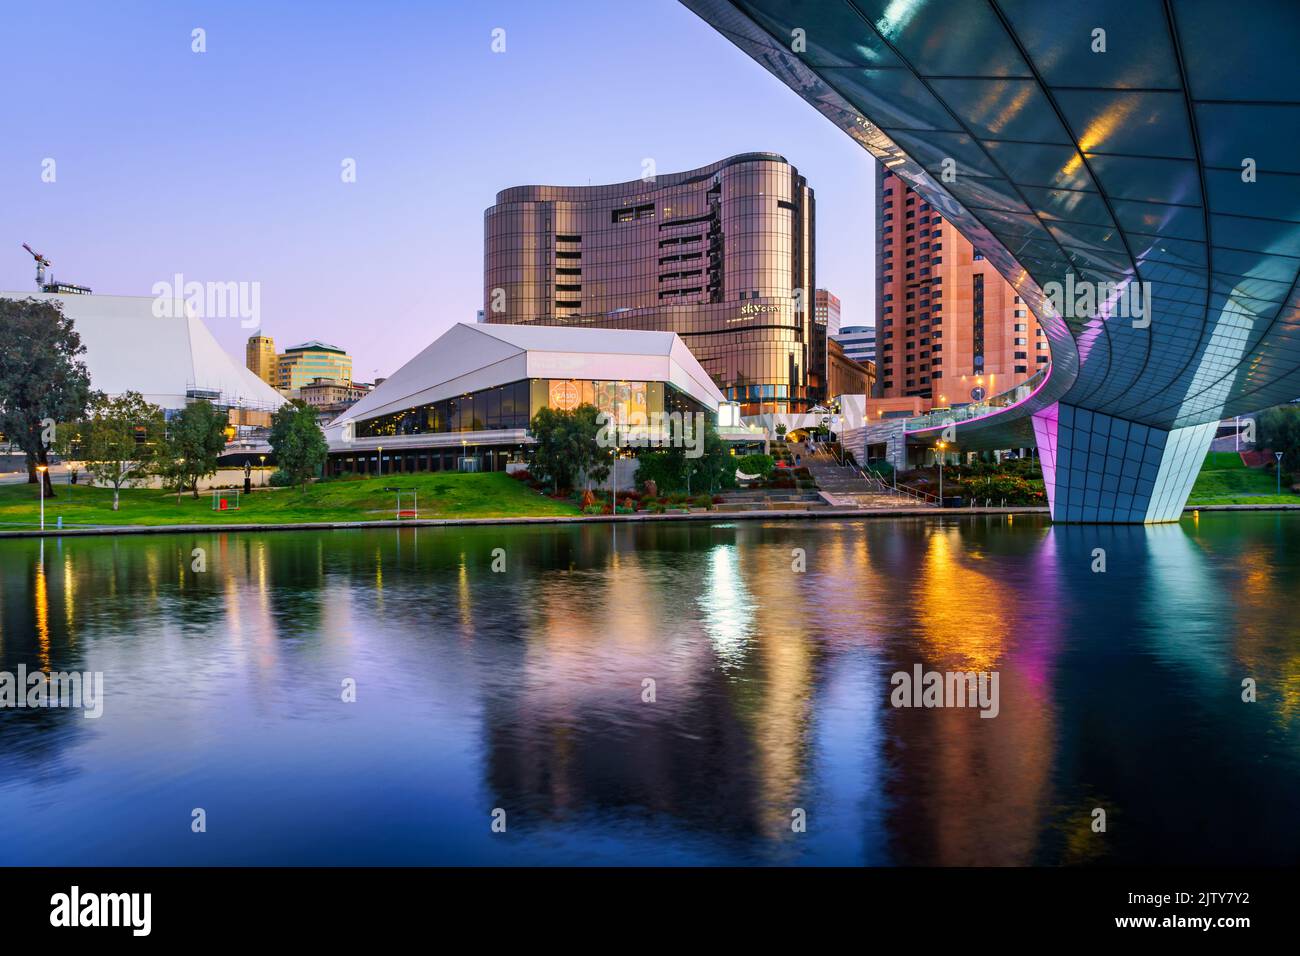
point(1129, 166)
point(721, 255)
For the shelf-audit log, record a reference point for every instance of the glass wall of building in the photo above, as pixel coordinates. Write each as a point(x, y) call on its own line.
point(513, 406)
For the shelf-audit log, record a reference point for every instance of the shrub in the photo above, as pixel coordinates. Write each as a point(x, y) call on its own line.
point(702, 501)
point(524, 475)
point(594, 509)
point(718, 499)
point(280, 479)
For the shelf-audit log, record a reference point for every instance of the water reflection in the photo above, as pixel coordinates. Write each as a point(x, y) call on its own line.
point(506, 667)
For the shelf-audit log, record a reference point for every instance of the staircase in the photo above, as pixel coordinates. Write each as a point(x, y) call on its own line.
point(844, 486)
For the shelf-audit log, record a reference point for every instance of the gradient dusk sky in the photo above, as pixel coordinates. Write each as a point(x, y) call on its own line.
point(225, 166)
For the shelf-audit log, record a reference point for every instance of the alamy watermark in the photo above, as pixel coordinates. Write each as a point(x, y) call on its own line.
point(59, 689)
point(209, 300)
point(922, 688)
point(133, 911)
point(654, 430)
point(1085, 300)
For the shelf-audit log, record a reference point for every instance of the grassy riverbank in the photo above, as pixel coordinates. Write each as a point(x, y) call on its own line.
point(441, 495)
point(1225, 480)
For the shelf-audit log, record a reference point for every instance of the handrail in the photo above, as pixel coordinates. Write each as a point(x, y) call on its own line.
point(1012, 396)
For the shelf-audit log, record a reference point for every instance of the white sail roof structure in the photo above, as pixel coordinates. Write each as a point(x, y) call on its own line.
point(165, 359)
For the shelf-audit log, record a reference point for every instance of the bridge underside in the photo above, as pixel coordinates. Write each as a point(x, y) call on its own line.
point(1143, 151)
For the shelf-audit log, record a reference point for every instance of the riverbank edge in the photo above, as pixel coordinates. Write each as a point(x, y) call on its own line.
point(714, 516)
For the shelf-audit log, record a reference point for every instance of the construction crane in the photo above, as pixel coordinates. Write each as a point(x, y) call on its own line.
point(41, 263)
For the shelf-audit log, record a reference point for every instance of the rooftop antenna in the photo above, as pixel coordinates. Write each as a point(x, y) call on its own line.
point(41, 263)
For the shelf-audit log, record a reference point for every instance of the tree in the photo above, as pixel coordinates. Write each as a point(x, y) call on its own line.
point(551, 459)
point(118, 441)
point(715, 468)
point(42, 380)
point(569, 446)
point(1278, 429)
point(664, 468)
point(299, 444)
point(196, 437)
point(673, 470)
point(591, 459)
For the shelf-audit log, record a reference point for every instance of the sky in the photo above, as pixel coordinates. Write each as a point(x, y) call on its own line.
point(227, 165)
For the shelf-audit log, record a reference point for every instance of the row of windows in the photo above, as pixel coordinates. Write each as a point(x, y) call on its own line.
point(515, 404)
point(506, 406)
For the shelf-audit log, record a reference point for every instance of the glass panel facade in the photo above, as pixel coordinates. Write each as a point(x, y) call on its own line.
point(722, 255)
point(504, 406)
point(513, 406)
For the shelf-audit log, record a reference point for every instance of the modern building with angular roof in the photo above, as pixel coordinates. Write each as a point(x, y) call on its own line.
point(465, 401)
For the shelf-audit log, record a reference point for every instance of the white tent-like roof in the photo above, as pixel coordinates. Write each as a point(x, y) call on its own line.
point(473, 356)
point(129, 349)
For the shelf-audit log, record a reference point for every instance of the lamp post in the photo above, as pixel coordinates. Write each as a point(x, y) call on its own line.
point(940, 446)
point(40, 480)
point(263, 469)
point(1278, 456)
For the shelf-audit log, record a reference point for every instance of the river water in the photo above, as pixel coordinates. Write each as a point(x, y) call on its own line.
point(669, 693)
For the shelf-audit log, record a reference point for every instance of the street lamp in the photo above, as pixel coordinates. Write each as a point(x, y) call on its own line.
point(263, 460)
point(1278, 456)
point(941, 446)
point(40, 480)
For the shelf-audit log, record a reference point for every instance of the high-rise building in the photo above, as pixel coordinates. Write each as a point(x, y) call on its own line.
point(300, 364)
point(827, 311)
point(949, 327)
point(858, 342)
point(260, 358)
point(722, 255)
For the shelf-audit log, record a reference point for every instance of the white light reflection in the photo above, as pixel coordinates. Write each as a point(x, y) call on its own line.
point(727, 606)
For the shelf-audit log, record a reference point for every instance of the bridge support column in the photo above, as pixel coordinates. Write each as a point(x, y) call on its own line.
point(1099, 469)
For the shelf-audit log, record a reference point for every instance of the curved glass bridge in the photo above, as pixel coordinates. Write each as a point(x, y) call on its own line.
point(918, 428)
point(1131, 167)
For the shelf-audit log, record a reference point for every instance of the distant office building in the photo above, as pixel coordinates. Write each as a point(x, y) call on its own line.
point(858, 342)
point(332, 396)
point(721, 255)
point(949, 327)
point(846, 375)
point(66, 288)
point(260, 358)
point(826, 309)
point(301, 364)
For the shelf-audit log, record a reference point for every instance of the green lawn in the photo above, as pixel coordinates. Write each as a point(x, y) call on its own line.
point(1225, 480)
point(441, 495)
